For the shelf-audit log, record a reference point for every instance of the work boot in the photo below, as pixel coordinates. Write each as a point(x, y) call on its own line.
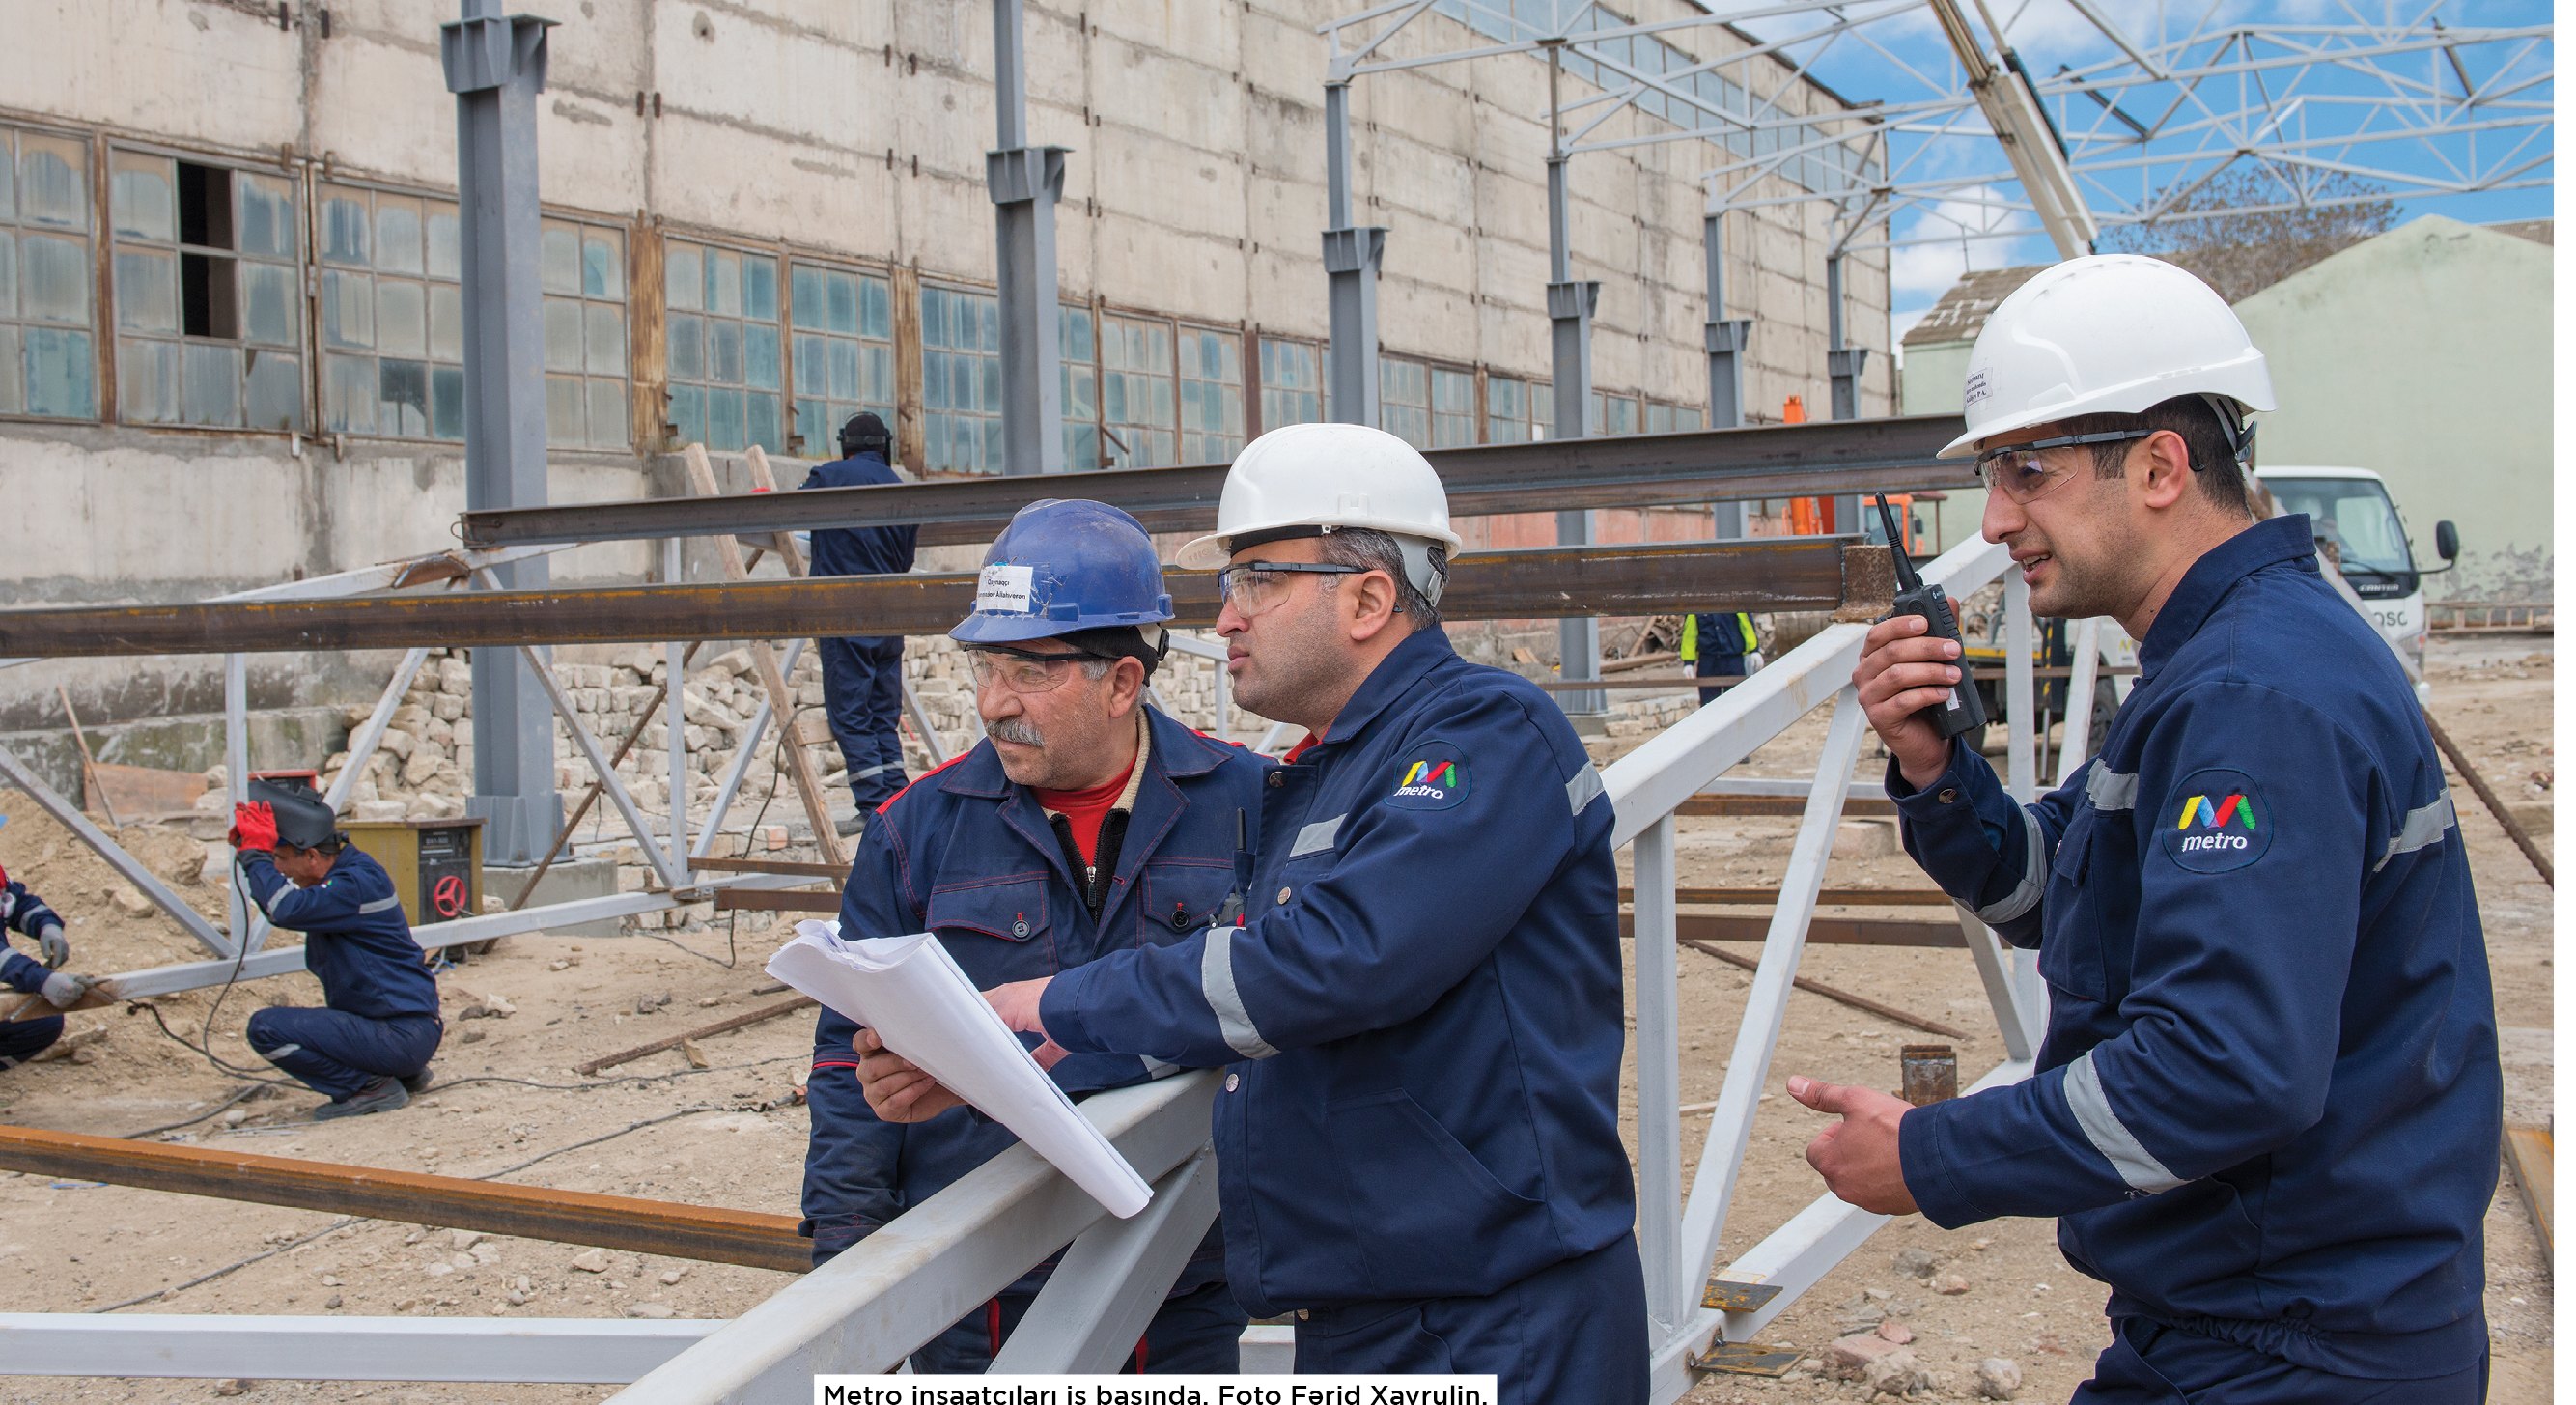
point(381, 1095)
point(854, 825)
point(416, 1082)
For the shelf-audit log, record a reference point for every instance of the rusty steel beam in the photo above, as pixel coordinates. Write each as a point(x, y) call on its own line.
point(1821, 931)
point(1824, 458)
point(1795, 573)
point(699, 1232)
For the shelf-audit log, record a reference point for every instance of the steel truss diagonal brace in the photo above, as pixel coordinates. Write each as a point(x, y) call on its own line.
point(126, 865)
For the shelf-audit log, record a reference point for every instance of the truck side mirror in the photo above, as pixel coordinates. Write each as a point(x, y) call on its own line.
point(2446, 541)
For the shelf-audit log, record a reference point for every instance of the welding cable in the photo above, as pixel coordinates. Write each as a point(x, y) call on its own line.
point(358, 1220)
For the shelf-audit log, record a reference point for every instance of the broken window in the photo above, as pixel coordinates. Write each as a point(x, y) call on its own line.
point(48, 358)
point(961, 381)
point(1211, 395)
point(393, 318)
point(726, 362)
point(209, 324)
point(841, 351)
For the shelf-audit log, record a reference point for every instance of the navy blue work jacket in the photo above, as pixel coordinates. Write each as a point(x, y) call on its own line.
point(1422, 1016)
point(2268, 1103)
point(356, 940)
point(24, 912)
point(859, 551)
point(967, 854)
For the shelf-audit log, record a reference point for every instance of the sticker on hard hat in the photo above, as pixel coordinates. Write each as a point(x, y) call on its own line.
point(1004, 589)
point(1977, 389)
point(1434, 779)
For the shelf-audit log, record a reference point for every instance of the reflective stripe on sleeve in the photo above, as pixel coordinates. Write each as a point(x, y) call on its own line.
point(2110, 790)
point(1317, 837)
point(2109, 1135)
point(1216, 982)
point(2424, 828)
point(2034, 881)
point(1584, 788)
point(379, 905)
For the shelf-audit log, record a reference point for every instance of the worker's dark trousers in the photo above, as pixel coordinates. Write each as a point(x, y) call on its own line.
point(21, 1040)
point(1199, 1333)
point(336, 1053)
point(1732, 666)
point(863, 699)
point(1573, 1334)
point(2149, 1363)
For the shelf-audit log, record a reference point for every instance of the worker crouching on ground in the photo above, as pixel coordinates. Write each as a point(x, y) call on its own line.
point(1417, 1135)
point(368, 1049)
point(23, 912)
point(1085, 824)
point(2268, 1104)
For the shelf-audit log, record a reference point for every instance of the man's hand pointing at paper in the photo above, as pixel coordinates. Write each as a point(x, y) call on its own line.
point(898, 1091)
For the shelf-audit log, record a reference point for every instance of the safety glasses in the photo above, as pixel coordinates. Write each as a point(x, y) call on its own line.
point(2025, 472)
point(1255, 586)
point(1019, 670)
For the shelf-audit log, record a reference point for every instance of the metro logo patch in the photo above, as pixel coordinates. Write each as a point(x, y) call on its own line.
point(1435, 779)
point(2215, 821)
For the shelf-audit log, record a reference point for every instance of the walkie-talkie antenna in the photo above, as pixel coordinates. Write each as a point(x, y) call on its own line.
point(1906, 575)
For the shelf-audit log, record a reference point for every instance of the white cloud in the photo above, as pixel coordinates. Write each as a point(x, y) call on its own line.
point(1970, 234)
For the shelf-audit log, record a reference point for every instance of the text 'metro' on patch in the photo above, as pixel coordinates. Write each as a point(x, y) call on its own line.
point(2216, 820)
point(1435, 779)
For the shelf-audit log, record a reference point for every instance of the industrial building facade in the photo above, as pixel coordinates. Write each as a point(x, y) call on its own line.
point(230, 316)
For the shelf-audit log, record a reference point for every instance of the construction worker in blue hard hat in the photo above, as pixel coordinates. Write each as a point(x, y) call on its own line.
point(1085, 823)
point(863, 677)
point(29, 1031)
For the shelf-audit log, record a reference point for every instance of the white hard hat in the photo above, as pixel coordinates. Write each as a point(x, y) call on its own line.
point(2106, 334)
point(1319, 477)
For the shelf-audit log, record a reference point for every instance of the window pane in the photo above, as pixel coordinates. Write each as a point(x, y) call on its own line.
point(273, 395)
point(809, 365)
point(844, 383)
point(447, 322)
point(603, 267)
point(760, 356)
point(138, 196)
point(813, 419)
point(147, 291)
point(876, 376)
point(8, 274)
point(446, 242)
point(559, 259)
point(402, 320)
point(724, 353)
point(724, 419)
point(53, 183)
point(61, 374)
point(876, 309)
point(608, 414)
point(686, 348)
point(398, 235)
point(760, 289)
point(344, 228)
point(348, 311)
point(724, 283)
point(563, 336)
point(349, 393)
point(446, 401)
point(689, 414)
point(268, 303)
point(842, 303)
point(402, 398)
point(567, 419)
point(9, 210)
point(263, 216)
point(605, 331)
point(683, 277)
point(805, 298)
point(54, 278)
point(13, 371)
point(762, 425)
point(147, 381)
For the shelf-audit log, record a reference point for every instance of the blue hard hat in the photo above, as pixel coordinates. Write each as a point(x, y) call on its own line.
point(1063, 566)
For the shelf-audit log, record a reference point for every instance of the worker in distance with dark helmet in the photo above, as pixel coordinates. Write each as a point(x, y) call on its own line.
point(32, 1033)
point(368, 1048)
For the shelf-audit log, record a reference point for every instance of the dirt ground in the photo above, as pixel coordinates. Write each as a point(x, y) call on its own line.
point(74, 1247)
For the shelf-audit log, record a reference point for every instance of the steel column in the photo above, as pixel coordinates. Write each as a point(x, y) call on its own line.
point(1025, 183)
point(1352, 254)
point(1659, 1083)
point(1727, 339)
point(1842, 362)
point(496, 66)
point(1570, 306)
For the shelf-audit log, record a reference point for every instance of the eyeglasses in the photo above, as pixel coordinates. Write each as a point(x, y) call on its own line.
point(1019, 670)
point(1255, 586)
point(2024, 472)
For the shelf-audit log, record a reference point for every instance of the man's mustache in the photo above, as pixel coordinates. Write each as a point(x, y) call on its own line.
point(1016, 729)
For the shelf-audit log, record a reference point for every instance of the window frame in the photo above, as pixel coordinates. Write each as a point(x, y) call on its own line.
point(98, 366)
point(106, 147)
point(777, 322)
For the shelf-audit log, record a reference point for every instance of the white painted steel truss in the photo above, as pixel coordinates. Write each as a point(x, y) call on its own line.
point(2382, 93)
point(871, 1306)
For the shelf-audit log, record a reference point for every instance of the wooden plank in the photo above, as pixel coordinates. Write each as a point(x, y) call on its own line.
point(793, 867)
point(1742, 806)
point(775, 900)
point(2529, 1152)
point(703, 1233)
point(1821, 930)
point(1857, 1002)
point(137, 793)
point(1830, 897)
point(751, 1017)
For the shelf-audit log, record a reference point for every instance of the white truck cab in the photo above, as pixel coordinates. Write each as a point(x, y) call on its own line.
point(2351, 508)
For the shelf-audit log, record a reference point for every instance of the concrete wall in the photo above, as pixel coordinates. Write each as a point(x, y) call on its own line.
point(855, 134)
point(2424, 356)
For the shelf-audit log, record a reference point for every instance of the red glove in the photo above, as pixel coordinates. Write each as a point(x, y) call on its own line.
point(254, 827)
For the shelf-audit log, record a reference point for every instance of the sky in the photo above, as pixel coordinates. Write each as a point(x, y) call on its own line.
point(2050, 33)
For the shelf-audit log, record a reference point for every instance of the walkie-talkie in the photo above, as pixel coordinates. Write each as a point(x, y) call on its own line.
point(1965, 711)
